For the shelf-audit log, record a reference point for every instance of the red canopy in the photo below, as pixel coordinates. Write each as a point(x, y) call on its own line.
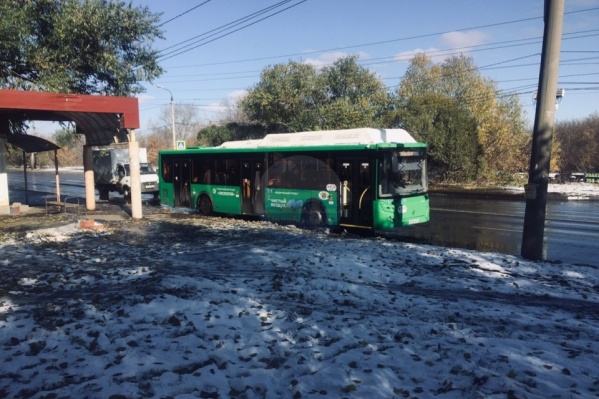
point(99, 118)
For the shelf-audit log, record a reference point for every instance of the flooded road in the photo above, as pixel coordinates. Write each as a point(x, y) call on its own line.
point(481, 224)
point(490, 225)
point(571, 229)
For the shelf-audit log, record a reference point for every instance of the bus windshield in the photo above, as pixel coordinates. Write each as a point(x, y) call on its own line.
point(402, 173)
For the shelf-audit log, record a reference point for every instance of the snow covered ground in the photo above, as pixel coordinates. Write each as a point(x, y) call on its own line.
point(572, 191)
point(183, 306)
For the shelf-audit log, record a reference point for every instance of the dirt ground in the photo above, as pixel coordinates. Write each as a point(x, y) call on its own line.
point(177, 302)
point(36, 217)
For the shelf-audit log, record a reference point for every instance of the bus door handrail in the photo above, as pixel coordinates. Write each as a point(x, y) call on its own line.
point(362, 197)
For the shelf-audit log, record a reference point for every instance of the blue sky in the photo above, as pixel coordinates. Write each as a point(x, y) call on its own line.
point(503, 37)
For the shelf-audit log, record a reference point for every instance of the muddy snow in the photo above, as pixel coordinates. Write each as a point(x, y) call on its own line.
point(184, 306)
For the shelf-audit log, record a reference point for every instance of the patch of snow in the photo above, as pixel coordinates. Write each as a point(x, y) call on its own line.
point(211, 308)
point(571, 190)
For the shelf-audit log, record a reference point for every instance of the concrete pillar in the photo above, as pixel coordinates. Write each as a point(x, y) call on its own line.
point(88, 177)
point(57, 176)
point(4, 200)
point(136, 212)
point(533, 235)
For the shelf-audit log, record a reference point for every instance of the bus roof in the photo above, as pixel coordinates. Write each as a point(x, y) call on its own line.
point(362, 136)
point(346, 139)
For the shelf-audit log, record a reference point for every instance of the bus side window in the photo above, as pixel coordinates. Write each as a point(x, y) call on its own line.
point(204, 174)
point(207, 176)
point(233, 179)
point(166, 171)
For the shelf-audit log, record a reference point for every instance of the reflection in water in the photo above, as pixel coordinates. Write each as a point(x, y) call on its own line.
point(478, 224)
point(496, 226)
point(463, 236)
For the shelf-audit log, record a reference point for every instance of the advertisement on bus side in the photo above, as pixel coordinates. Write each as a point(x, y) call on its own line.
point(289, 204)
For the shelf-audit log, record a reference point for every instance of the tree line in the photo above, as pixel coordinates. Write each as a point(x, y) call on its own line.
point(474, 131)
point(578, 144)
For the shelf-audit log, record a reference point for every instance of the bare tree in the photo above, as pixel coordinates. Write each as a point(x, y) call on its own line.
point(578, 141)
point(160, 134)
point(232, 112)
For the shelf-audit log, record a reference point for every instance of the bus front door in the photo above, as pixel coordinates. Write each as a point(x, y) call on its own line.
point(252, 193)
point(181, 180)
point(355, 193)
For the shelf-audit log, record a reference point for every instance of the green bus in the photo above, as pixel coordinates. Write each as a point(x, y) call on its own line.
point(357, 178)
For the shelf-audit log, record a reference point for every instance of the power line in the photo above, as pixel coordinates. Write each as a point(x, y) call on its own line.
point(584, 88)
point(231, 32)
point(396, 40)
point(183, 13)
point(496, 65)
point(432, 53)
point(579, 83)
point(213, 79)
point(225, 26)
point(561, 76)
point(446, 52)
point(472, 48)
point(359, 45)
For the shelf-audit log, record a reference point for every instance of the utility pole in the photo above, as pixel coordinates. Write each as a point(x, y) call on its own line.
point(538, 175)
point(172, 115)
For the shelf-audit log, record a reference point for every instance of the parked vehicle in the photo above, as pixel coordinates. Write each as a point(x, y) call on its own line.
point(577, 177)
point(554, 177)
point(112, 172)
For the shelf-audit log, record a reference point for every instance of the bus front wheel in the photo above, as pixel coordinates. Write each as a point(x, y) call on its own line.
point(205, 205)
point(313, 214)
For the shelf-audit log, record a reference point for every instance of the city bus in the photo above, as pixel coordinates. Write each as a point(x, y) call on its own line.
point(356, 178)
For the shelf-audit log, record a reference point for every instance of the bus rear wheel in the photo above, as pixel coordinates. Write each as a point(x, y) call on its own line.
point(313, 214)
point(205, 205)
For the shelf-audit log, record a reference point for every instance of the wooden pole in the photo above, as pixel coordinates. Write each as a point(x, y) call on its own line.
point(533, 246)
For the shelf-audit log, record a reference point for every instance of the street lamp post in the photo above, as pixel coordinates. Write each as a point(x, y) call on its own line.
point(172, 115)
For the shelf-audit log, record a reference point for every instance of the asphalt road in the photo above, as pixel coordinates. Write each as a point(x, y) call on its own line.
point(495, 225)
